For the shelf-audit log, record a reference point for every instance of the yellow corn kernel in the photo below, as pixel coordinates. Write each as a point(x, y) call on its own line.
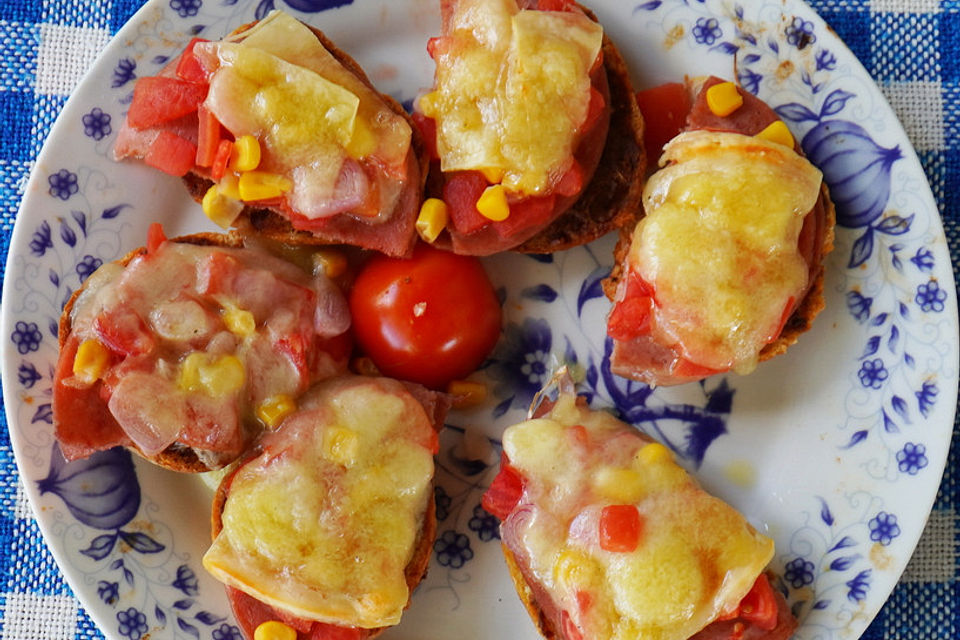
point(275, 409)
point(220, 209)
point(331, 263)
point(494, 175)
point(432, 219)
point(467, 393)
point(653, 453)
point(363, 142)
point(215, 377)
point(427, 103)
point(778, 132)
point(245, 155)
point(493, 203)
point(91, 361)
point(261, 185)
point(623, 486)
point(189, 379)
point(239, 322)
point(575, 570)
point(340, 445)
point(230, 185)
point(274, 630)
point(723, 99)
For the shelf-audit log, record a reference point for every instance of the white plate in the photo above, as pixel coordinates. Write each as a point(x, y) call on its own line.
point(835, 449)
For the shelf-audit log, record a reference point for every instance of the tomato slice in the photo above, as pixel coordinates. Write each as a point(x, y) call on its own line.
point(220, 159)
point(665, 110)
point(189, 67)
point(155, 237)
point(208, 137)
point(428, 131)
point(620, 528)
point(570, 630)
point(759, 606)
point(461, 192)
point(158, 99)
point(526, 213)
point(171, 154)
point(556, 5)
point(630, 317)
point(505, 491)
point(124, 332)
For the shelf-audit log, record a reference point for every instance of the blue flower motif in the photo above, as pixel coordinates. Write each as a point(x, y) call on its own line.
point(453, 549)
point(926, 397)
point(884, 528)
point(63, 184)
point(859, 305)
point(313, 6)
point(858, 586)
point(912, 458)
point(27, 337)
point(826, 61)
point(872, 373)
point(923, 259)
point(28, 375)
point(520, 363)
point(186, 581)
point(96, 124)
point(124, 72)
point(799, 572)
point(485, 524)
point(800, 33)
point(749, 80)
point(930, 296)
point(227, 632)
point(186, 8)
point(40, 241)
point(443, 502)
point(707, 31)
point(108, 591)
point(133, 624)
point(87, 266)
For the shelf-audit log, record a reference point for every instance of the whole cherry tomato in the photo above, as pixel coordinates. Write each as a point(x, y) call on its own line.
point(430, 319)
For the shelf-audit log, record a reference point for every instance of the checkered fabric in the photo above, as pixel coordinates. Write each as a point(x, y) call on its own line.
point(911, 48)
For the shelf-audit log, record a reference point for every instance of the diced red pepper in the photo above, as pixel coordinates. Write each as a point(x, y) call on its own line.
point(578, 434)
point(505, 491)
point(526, 213)
point(584, 600)
point(158, 99)
point(208, 137)
point(428, 131)
point(171, 154)
point(155, 237)
point(571, 183)
point(759, 606)
point(220, 159)
point(189, 67)
point(620, 528)
point(461, 192)
point(124, 332)
point(665, 109)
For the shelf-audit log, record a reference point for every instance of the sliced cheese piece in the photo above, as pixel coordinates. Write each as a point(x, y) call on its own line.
point(323, 524)
point(696, 556)
point(719, 244)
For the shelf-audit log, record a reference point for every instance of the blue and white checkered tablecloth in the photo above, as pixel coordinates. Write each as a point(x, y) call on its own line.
point(46, 45)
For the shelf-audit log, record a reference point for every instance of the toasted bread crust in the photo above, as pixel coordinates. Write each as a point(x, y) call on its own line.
point(272, 224)
point(175, 457)
point(525, 592)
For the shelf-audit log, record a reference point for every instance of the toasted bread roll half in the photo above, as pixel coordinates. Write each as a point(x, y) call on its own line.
point(328, 525)
point(278, 132)
point(184, 350)
point(532, 126)
point(726, 268)
point(605, 536)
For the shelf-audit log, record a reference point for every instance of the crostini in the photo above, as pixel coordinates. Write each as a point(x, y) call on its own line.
point(606, 537)
point(327, 527)
point(184, 350)
point(532, 126)
point(278, 132)
point(726, 268)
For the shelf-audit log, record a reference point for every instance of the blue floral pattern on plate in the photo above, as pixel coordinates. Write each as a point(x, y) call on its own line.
point(871, 386)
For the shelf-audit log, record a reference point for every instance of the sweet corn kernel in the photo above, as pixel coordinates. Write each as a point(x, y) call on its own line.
point(575, 570)
point(215, 377)
point(274, 630)
point(432, 219)
point(494, 175)
point(275, 409)
point(331, 263)
point(220, 209)
point(624, 486)
point(91, 361)
point(653, 453)
point(245, 155)
point(363, 142)
point(467, 393)
point(778, 132)
point(723, 98)
point(493, 203)
point(261, 185)
point(340, 445)
point(239, 322)
point(189, 379)
point(230, 185)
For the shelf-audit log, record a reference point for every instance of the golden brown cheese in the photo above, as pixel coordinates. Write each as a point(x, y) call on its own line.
point(719, 244)
point(512, 90)
point(697, 557)
point(323, 524)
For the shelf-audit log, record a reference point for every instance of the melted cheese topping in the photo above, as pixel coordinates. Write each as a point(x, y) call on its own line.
point(512, 90)
point(720, 244)
point(324, 523)
point(696, 558)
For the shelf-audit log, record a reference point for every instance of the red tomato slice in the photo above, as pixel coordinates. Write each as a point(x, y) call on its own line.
point(570, 630)
point(759, 606)
point(461, 192)
point(155, 237)
point(220, 159)
point(620, 528)
point(556, 5)
point(124, 332)
point(630, 318)
point(505, 491)
point(157, 100)
point(171, 154)
point(189, 67)
point(428, 131)
point(665, 110)
point(208, 137)
point(526, 213)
